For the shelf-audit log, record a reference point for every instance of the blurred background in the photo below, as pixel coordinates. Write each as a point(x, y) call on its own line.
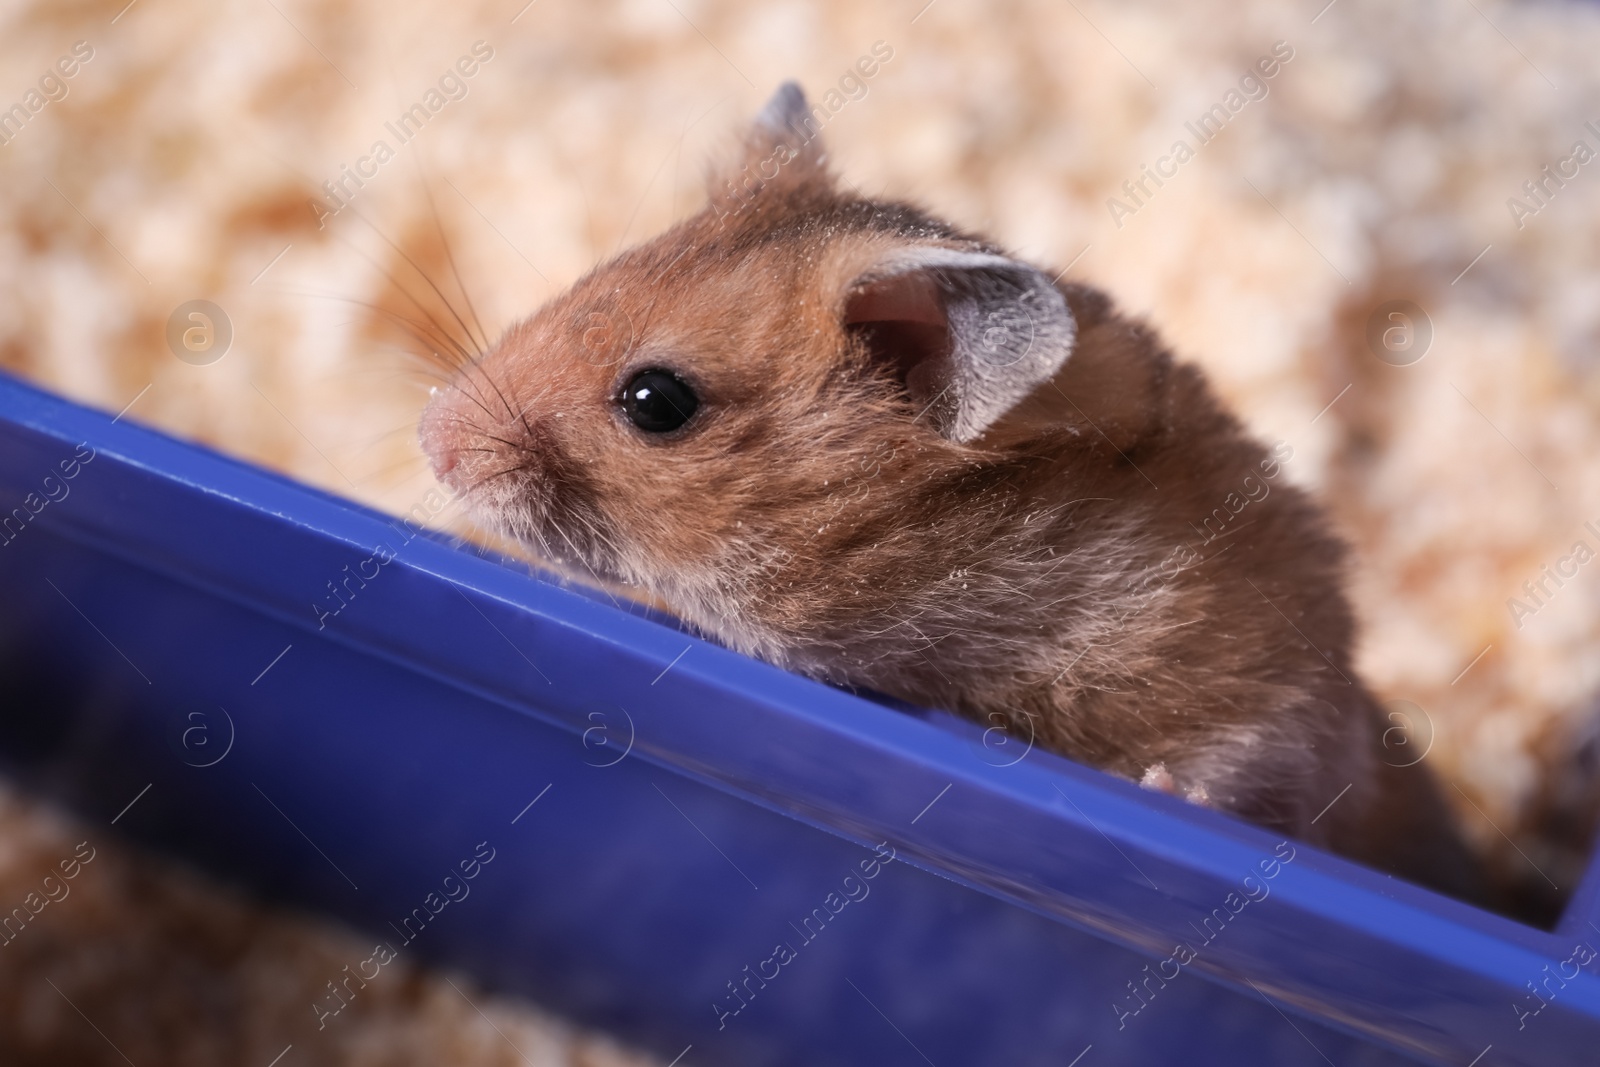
point(1388, 257)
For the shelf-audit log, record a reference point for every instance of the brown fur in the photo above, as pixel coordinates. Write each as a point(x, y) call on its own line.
point(1056, 572)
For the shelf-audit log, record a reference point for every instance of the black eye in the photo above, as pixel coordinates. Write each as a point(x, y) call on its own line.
point(658, 401)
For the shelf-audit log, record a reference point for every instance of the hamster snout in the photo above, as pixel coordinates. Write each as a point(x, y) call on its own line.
point(856, 441)
point(440, 442)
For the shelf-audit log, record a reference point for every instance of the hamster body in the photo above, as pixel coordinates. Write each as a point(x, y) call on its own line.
point(850, 439)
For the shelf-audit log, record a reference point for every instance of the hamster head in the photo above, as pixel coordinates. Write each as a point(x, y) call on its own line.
point(721, 413)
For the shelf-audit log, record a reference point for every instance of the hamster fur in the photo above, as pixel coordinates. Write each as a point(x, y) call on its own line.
point(911, 463)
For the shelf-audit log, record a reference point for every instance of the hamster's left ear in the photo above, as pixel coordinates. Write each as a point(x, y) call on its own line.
point(969, 334)
point(781, 155)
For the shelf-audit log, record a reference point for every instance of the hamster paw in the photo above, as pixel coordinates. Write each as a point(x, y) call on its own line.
point(1158, 778)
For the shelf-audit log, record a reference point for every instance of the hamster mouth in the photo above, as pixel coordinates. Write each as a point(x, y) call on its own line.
point(516, 479)
point(521, 503)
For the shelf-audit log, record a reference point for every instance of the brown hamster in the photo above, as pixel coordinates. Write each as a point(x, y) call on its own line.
point(855, 441)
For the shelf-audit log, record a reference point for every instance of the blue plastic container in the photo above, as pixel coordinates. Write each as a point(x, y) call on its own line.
point(693, 849)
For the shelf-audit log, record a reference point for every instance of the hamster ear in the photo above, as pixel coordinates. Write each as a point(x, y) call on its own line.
point(781, 152)
point(969, 333)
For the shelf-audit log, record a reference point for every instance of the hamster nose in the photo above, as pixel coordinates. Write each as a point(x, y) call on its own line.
point(439, 435)
point(443, 462)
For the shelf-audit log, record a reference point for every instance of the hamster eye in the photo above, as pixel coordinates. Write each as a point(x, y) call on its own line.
point(658, 401)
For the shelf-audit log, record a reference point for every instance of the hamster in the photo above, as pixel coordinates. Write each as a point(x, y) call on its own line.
point(848, 438)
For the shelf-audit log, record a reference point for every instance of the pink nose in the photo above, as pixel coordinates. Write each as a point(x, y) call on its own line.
point(443, 462)
point(438, 434)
